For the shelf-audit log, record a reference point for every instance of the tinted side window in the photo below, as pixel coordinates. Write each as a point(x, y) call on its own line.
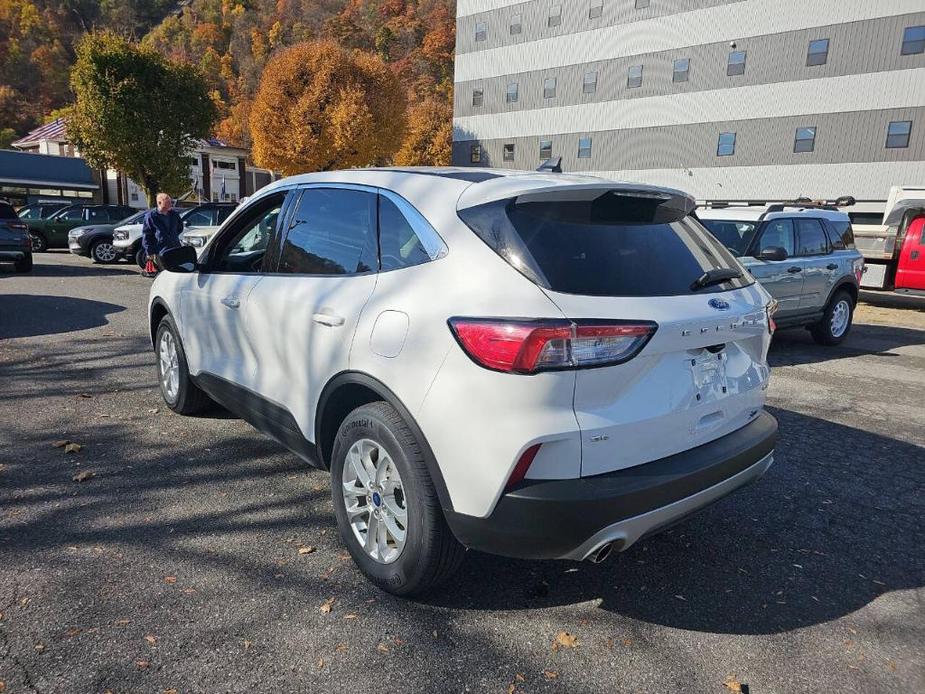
point(841, 235)
point(98, 214)
point(812, 237)
point(332, 233)
point(399, 245)
point(72, 215)
point(778, 233)
point(199, 218)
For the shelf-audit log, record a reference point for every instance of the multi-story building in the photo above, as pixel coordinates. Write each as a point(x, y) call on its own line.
point(731, 100)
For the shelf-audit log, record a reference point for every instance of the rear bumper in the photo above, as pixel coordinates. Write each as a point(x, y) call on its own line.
point(572, 519)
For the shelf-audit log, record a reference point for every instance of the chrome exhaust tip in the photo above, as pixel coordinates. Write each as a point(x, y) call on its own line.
point(601, 553)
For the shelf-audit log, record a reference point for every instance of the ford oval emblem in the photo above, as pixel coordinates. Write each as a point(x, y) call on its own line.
point(719, 304)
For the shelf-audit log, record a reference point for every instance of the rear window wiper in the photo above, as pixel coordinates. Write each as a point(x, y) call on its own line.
point(717, 276)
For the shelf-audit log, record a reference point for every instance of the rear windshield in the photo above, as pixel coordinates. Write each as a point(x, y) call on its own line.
point(610, 244)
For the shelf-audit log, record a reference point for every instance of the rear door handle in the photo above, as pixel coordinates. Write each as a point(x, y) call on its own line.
point(795, 269)
point(832, 266)
point(328, 319)
point(231, 302)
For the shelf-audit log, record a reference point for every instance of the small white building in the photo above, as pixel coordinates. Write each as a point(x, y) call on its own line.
point(218, 171)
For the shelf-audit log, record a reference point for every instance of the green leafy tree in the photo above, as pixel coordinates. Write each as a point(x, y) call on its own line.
point(137, 112)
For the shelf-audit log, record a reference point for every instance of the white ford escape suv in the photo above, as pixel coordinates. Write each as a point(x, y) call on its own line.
point(531, 364)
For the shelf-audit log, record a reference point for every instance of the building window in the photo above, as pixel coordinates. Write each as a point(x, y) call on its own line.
point(475, 154)
point(589, 85)
point(642, 4)
point(511, 96)
point(516, 26)
point(476, 97)
point(545, 149)
point(509, 152)
point(481, 31)
point(682, 70)
point(584, 148)
point(555, 16)
point(736, 64)
point(818, 52)
point(549, 88)
point(229, 165)
point(897, 134)
point(634, 77)
point(805, 140)
point(913, 40)
point(726, 146)
point(595, 9)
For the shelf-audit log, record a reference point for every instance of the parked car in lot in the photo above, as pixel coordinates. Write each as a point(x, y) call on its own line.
point(40, 210)
point(209, 216)
point(15, 243)
point(803, 254)
point(894, 248)
point(95, 241)
point(530, 364)
point(51, 232)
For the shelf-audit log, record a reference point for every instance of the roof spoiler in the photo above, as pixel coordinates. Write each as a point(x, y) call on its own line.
point(553, 165)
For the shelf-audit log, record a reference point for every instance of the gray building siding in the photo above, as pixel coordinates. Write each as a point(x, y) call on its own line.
point(854, 48)
point(574, 19)
point(840, 137)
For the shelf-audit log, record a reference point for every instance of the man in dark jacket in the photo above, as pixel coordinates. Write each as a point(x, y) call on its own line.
point(161, 228)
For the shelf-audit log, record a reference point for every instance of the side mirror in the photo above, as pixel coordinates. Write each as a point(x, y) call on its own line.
point(772, 253)
point(182, 259)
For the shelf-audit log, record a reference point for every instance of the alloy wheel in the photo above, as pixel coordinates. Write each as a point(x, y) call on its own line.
point(841, 314)
point(169, 366)
point(104, 252)
point(374, 498)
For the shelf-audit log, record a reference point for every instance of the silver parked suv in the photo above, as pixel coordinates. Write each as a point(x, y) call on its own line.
point(804, 255)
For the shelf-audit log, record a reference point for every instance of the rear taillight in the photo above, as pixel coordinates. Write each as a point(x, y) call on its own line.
point(771, 309)
point(530, 346)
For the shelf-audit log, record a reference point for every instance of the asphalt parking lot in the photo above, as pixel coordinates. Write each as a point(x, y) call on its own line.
point(177, 566)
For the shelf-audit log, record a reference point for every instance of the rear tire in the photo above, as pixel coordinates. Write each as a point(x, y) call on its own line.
point(39, 242)
point(24, 265)
point(177, 388)
point(836, 321)
point(104, 252)
point(429, 552)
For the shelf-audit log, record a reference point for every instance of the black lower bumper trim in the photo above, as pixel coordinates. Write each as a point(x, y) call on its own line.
point(546, 519)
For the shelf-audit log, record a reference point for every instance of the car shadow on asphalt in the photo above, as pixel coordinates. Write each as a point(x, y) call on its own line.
point(835, 523)
point(77, 271)
point(796, 346)
point(28, 315)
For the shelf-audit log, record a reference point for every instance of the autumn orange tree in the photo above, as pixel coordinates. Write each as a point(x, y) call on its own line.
point(429, 137)
point(321, 107)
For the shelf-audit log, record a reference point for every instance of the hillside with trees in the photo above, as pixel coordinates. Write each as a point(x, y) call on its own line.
point(231, 42)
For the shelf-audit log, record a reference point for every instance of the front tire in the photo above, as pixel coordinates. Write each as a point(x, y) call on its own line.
point(388, 513)
point(836, 321)
point(104, 252)
point(39, 242)
point(177, 388)
point(140, 258)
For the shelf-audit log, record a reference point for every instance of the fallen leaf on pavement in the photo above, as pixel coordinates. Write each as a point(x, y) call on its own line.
point(326, 605)
point(142, 664)
point(382, 648)
point(170, 579)
point(350, 615)
point(564, 640)
point(171, 691)
point(320, 663)
point(306, 550)
point(60, 444)
point(550, 674)
point(83, 476)
point(340, 648)
point(39, 647)
point(72, 632)
point(519, 677)
point(732, 684)
point(72, 448)
point(121, 622)
point(2, 686)
point(511, 689)
point(151, 638)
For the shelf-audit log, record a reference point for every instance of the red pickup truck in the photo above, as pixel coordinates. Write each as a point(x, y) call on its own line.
point(894, 251)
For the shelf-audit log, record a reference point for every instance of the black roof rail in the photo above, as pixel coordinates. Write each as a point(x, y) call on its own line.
point(553, 165)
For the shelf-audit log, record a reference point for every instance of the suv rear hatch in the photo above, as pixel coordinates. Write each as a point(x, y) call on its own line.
point(616, 252)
